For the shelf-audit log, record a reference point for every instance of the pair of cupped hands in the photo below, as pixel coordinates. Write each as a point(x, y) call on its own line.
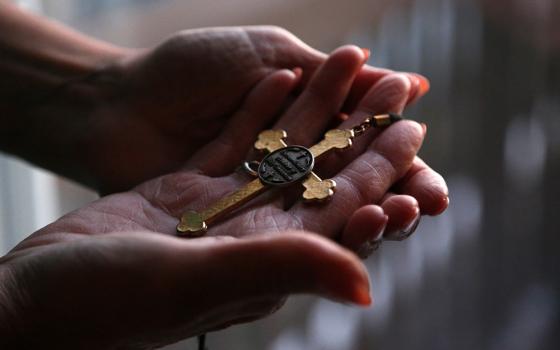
point(165, 130)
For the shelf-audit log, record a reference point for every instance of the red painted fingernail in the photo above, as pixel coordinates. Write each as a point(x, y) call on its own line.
point(367, 53)
point(424, 84)
point(362, 296)
point(419, 86)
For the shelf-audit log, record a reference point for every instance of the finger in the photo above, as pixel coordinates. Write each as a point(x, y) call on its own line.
point(366, 179)
point(369, 76)
point(261, 106)
point(208, 282)
point(421, 86)
point(276, 265)
point(323, 97)
point(284, 50)
point(403, 213)
point(427, 186)
point(364, 230)
point(388, 95)
point(395, 219)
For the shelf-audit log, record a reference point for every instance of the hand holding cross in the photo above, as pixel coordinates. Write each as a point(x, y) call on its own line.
point(283, 166)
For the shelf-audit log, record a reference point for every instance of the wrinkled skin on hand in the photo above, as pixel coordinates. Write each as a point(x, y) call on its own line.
point(110, 275)
point(141, 290)
point(155, 108)
point(166, 102)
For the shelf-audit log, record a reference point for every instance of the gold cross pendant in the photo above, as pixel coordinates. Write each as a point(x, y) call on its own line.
point(283, 166)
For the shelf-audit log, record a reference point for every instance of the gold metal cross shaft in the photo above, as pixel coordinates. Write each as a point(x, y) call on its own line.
point(282, 166)
point(194, 223)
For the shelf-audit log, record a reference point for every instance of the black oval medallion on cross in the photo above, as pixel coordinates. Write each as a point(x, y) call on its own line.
point(286, 166)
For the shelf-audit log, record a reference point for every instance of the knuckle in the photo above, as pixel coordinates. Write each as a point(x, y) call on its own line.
point(277, 31)
point(272, 33)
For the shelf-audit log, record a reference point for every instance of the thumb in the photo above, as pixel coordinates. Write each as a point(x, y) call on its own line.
point(274, 265)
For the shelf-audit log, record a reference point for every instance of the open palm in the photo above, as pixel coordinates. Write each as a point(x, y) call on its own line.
point(364, 174)
point(127, 283)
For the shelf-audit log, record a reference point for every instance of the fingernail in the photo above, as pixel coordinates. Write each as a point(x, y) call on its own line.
point(445, 204)
point(367, 54)
point(379, 234)
point(297, 71)
point(355, 291)
point(419, 86)
point(407, 230)
point(367, 248)
point(424, 127)
point(411, 226)
point(362, 296)
point(424, 84)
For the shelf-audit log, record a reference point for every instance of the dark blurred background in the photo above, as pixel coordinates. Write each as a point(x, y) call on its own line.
point(485, 275)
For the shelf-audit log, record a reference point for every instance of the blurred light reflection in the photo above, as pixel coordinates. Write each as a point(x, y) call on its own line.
point(525, 152)
point(466, 206)
point(532, 316)
point(289, 339)
point(332, 326)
